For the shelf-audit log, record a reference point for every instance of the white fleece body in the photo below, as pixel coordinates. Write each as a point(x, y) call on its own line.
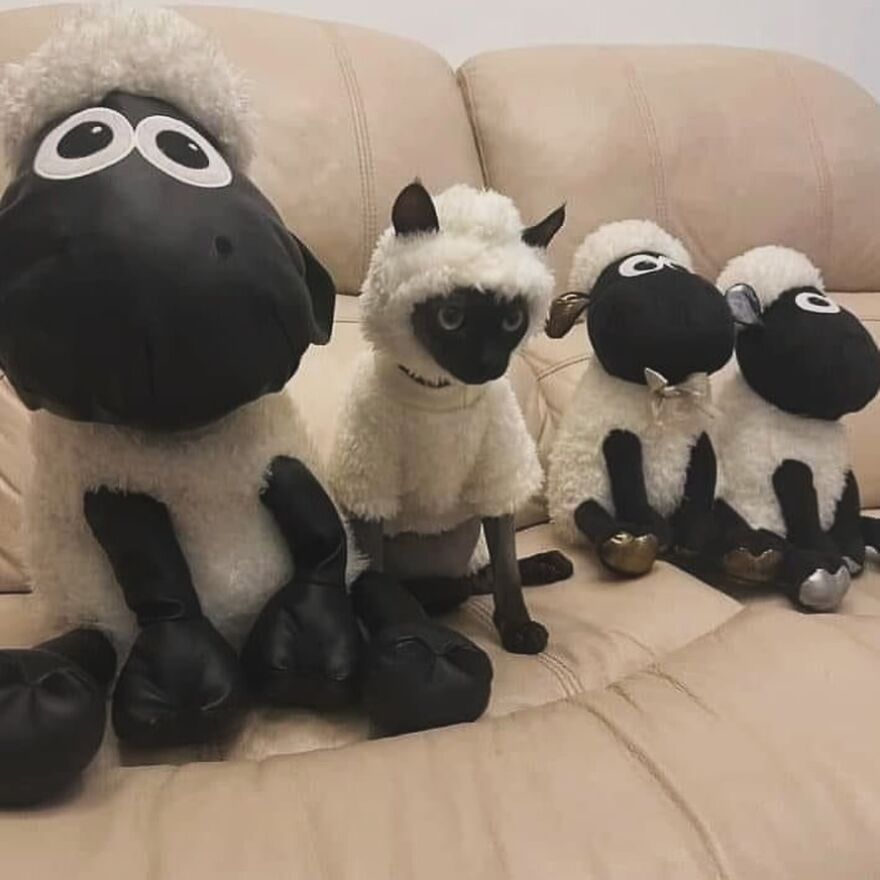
point(426, 460)
point(601, 404)
point(210, 481)
point(755, 437)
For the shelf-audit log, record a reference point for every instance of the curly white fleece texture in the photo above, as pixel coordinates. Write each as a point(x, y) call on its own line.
point(619, 239)
point(479, 244)
point(146, 51)
point(770, 270)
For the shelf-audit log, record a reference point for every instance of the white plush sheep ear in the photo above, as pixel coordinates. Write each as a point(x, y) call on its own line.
point(541, 234)
point(414, 211)
point(564, 312)
point(744, 305)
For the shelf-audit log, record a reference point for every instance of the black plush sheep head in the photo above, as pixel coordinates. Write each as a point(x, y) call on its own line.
point(144, 280)
point(646, 309)
point(797, 348)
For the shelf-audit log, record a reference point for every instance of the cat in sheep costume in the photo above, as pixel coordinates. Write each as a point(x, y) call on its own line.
point(788, 509)
point(432, 450)
point(152, 304)
point(633, 467)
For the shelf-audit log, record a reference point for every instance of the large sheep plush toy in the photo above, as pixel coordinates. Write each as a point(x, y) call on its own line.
point(152, 303)
point(432, 449)
point(633, 468)
point(789, 510)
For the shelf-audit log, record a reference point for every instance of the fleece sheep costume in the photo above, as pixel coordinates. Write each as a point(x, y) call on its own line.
point(173, 514)
point(633, 441)
point(803, 363)
point(432, 449)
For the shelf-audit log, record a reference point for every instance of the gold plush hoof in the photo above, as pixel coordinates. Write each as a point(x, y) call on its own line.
point(745, 566)
point(629, 555)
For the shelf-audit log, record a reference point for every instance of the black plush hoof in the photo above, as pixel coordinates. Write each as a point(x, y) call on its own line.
point(421, 675)
point(545, 568)
point(629, 555)
point(181, 685)
point(304, 649)
point(52, 717)
point(527, 637)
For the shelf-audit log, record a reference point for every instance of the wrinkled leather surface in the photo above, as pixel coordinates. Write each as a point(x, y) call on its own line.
point(669, 730)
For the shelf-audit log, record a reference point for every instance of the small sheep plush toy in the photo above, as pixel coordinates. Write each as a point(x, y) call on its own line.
point(788, 509)
point(432, 450)
point(633, 468)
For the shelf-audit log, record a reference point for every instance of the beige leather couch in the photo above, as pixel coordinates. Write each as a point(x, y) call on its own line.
point(670, 730)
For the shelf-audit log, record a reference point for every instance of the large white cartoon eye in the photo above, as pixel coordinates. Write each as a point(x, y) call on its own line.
point(671, 264)
point(83, 144)
point(811, 301)
point(641, 264)
point(179, 151)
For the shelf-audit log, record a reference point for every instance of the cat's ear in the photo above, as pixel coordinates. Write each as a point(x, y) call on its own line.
point(541, 234)
point(566, 309)
point(414, 211)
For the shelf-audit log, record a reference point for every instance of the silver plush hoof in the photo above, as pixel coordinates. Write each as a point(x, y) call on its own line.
point(823, 591)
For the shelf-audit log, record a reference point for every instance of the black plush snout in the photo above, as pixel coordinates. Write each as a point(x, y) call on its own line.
point(810, 357)
point(143, 282)
point(665, 319)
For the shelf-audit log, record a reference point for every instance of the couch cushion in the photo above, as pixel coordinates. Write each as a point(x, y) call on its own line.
point(727, 148)
point(15, 462)
point(751, 753)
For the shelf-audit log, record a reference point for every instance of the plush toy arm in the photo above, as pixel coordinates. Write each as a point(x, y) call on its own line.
point(181, 682)
point(519, 633)
point(692, 522)
point(846, 531)
point(304, 647)
point(623, 458)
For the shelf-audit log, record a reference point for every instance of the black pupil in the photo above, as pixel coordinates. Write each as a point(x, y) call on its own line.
point(645, 265)
point(817, 300)
point(181, 149)
point(85, 139)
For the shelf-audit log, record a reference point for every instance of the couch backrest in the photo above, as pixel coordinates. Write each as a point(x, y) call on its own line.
point(727, 148)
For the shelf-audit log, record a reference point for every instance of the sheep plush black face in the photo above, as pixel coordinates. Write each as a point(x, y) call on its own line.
point(647, 312)
point(142, 281)
point(471, 333)
point(808, 356)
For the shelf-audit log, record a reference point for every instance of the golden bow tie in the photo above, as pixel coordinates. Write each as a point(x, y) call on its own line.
point(695, 391)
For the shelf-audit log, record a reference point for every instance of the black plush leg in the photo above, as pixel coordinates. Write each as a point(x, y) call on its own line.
point(846, 530)
point(871, 533)
point(182, 682)
point(418, 673)
point(745, 554)
point(304, 648)
point(439, 595)
point(692, 524)
point(626, 549)
point(53, 710)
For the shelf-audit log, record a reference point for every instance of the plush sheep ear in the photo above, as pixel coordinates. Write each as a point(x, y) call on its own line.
point(323, 294)
point(744, 305)
point(541, 234)
point(565, 310)
point(414, 211)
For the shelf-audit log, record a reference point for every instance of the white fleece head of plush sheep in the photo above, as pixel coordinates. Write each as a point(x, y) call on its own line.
point(462, 239)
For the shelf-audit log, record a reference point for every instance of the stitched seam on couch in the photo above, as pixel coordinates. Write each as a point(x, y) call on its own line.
point(363, 143)
point(470, 104)
point(712, 846)
point(825, 207)
point(646, 117)
point(566, 677)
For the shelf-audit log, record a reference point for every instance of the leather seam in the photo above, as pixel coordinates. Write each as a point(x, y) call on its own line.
point(825, 211)
point(646, 117)
point(7, 485)
point(712, 847)
point(568, 362)
point(470, 105)
point(362, 142)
